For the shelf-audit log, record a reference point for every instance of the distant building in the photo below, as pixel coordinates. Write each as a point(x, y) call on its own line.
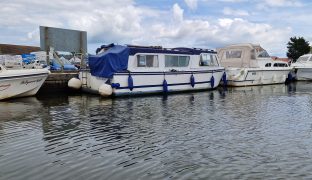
point(280, 59)
point(17, 49)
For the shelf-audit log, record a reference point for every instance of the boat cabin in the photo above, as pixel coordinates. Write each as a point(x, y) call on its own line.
point(246, 56)
point(115, 58)
point(307, 58)
point(171, 59)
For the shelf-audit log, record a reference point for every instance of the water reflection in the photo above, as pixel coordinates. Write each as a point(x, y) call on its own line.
point(244, 133)
point(17, 108)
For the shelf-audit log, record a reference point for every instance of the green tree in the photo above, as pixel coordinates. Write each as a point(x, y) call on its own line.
point(297, 47)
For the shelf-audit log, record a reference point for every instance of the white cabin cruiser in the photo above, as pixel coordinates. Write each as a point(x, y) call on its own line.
point(249, 64)
point(303, 67)
point(128, 70)
point(21, 82)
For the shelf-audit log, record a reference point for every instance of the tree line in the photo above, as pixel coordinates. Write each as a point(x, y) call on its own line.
point(297, 47)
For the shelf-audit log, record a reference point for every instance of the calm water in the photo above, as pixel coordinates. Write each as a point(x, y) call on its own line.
point(243, 133)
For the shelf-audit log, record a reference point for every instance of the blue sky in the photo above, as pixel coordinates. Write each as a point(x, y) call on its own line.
point(189, 23)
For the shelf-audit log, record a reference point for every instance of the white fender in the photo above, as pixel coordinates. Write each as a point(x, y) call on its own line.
point(105, 90)
point(74, 83)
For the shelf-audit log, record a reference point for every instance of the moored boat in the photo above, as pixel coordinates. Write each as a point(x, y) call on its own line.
point(129, 70)
point(250, 64)
point(21, 82)
point(303, 68)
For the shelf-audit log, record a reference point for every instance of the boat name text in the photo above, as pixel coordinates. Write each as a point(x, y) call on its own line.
point(26, 82)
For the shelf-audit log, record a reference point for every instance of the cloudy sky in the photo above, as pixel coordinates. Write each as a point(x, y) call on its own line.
point(170, 23)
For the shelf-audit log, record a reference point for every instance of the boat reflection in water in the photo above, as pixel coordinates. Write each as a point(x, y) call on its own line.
point(17, 108)
point(215, 134)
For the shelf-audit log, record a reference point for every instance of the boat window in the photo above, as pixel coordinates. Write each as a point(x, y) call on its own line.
point(280, 65)
point(208, 60)
point(147, 61)
point(233, 54)
point(263, 54)
point(268, 65)
point(214, 60)
point(303, 59)
point(176, 61)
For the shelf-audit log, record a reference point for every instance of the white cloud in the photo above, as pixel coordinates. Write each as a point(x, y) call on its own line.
point(34, 35)
point(192, 4)
point(229, 11)
point(177, 13)
point(242, 31)
point(233, 1)
point(210, 34)
point(124, 22)
point(106, 21)
point(282, 3)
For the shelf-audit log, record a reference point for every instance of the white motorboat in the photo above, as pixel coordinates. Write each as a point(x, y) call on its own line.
point(128, 70)
point(21, 82)
point(303, 67)
point(249, 64)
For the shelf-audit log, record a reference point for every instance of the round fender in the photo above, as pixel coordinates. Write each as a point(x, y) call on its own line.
point(105, 90)
point(224, 79)
point(74, 83)
point(165, 86)
point(130, 82)
point(212, 81)
point(192, 80)
point(289, 77)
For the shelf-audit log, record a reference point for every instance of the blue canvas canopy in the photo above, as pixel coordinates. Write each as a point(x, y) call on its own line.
point(28, 58)
point(105, 64)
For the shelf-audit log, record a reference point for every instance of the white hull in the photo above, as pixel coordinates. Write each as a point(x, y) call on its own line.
point(152, 82)
point(303, 68)
point(21, 83)
point(303, 74)
point(256, 76)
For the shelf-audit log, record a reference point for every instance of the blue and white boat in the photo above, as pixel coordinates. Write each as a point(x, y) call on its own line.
point(129, 70)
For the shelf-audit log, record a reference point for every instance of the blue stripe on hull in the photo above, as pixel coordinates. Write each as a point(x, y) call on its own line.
point(240, 80)
point(160, 85)
point(139, 93)
point(269, 70)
